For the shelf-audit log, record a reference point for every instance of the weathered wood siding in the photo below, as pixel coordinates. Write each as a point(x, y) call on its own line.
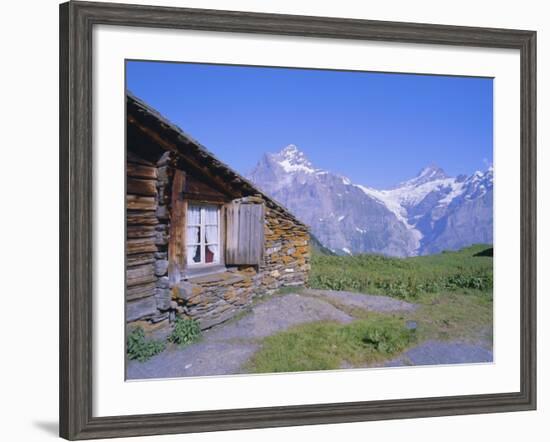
point(245, 233)
point(141, 219)
point(262, 246)
point(201, 190)
point(176, 243)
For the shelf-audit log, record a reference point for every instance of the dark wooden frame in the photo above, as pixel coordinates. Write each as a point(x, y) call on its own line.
point(76, 23)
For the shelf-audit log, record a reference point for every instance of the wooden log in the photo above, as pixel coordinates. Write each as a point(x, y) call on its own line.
point(141, 171)
point(131, 157)
point(197, 168)
point(140, 275)
point(245, 233)
point(141, 308)
point(138, 186)
point(141, 218)
point(136, 202)
point(140, 231)
point(135, 246)
point(140, 291)
point(142, 258)
point(176, 244)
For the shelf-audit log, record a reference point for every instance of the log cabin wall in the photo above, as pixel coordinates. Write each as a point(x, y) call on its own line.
point(154, 298)
point(167, 170)
point(147, 224)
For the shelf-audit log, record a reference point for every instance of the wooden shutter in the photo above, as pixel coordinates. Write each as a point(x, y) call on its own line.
point(245, 233)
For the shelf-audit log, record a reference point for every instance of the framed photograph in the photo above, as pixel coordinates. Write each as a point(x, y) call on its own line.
point(272, 220)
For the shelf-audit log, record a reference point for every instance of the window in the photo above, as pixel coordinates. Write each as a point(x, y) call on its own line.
point(203, 235)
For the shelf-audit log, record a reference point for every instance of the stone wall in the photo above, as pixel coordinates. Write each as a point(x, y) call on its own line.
point(213, 299)
point(210, 299)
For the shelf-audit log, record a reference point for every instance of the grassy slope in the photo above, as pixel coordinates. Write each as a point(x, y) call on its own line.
point(404, 278)
point(453, 290)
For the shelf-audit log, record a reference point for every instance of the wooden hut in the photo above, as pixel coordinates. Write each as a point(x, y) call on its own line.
point(202, 241)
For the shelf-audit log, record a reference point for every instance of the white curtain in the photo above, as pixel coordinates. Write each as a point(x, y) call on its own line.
point(211, 234)
point(193, 215)
point(193, 233)
point(194, 254)
point(193, 220)
point(211, 224)
point(210, 215)
point(202, 217)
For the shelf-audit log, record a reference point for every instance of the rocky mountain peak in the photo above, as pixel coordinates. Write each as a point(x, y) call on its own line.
point(426, 214)
point(431, 172)
point(290, 150)
point(292, 159)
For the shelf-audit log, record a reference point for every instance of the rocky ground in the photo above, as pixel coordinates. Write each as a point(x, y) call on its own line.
point(225, 349)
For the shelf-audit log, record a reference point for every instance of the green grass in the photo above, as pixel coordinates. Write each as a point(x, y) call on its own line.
point(329, 345)
point(456, 316)
point(406, 278)
point(453, 291)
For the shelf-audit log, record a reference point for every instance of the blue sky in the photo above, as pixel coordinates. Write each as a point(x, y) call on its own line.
point(376, 128)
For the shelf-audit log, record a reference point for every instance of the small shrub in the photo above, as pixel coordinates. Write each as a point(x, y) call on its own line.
point(398, 288)
point(186, 331)
point(335, 283)
point(141, 349)
point(476, 281)
point(387, 338)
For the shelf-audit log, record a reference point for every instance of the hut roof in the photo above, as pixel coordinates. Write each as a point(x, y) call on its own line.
point(173, 138)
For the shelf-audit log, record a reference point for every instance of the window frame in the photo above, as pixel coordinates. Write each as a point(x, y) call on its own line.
point(202, 233)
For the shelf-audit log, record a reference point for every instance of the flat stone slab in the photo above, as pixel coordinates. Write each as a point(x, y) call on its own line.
point(225, 278)
point(277, 314)
point(441, 352)
point(362, 301)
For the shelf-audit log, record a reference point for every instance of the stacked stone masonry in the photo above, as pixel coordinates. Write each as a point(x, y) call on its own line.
point(210, 299)
point(213, 299)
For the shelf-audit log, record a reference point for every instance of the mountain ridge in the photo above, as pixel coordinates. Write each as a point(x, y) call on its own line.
point(425, 214)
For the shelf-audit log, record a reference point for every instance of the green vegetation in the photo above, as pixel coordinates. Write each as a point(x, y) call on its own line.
point(186, 331)
point(388, 336)
point(452, 290)
point(140, 348)
point(329, 345)
point(465, 270)
point(456, 316)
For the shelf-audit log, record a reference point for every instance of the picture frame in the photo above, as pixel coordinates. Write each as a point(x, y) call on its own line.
point(77, 20)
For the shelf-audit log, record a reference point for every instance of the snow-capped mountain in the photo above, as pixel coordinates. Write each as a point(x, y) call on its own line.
point(426, 214)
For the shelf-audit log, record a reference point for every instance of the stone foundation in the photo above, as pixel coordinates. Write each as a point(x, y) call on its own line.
point(215, 298)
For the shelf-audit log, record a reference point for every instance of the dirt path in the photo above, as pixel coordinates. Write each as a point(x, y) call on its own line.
point(224, 350)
